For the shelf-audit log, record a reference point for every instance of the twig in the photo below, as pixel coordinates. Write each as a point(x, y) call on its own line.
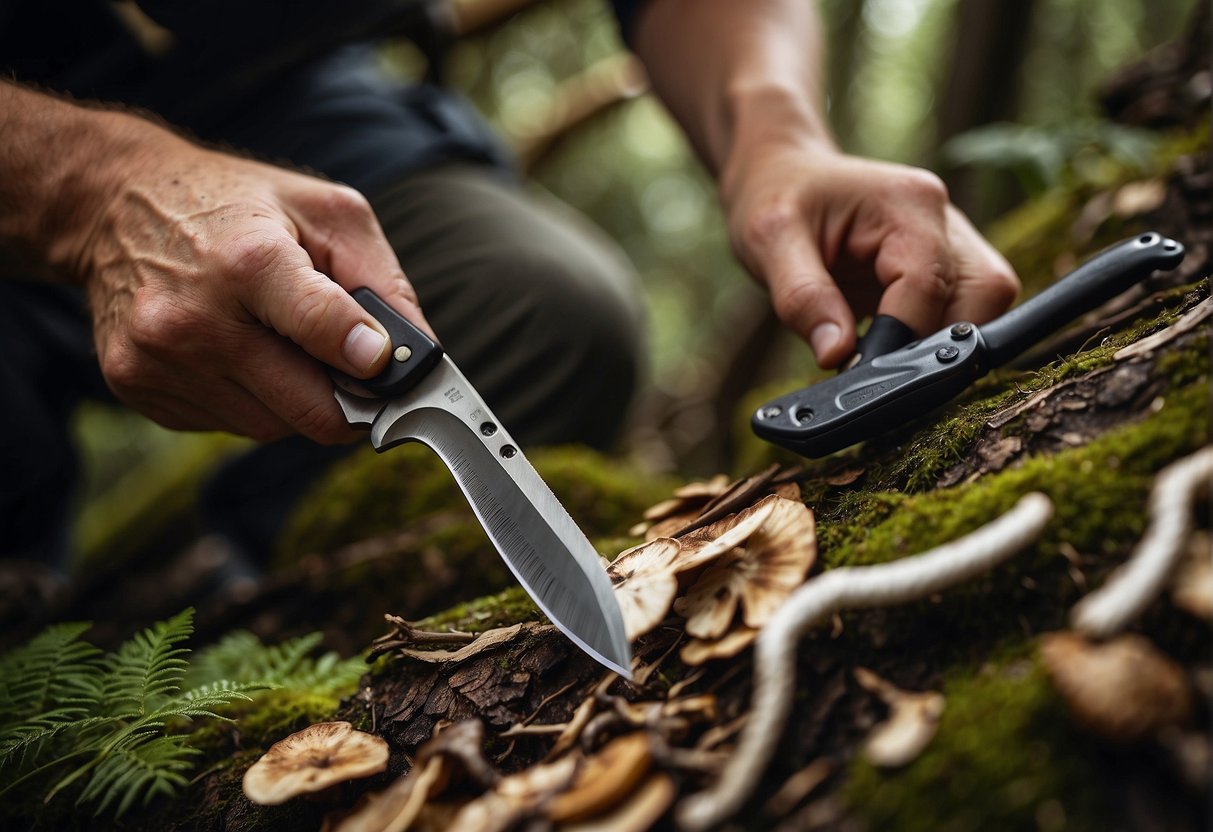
point(903, 581)
point(1136, 585)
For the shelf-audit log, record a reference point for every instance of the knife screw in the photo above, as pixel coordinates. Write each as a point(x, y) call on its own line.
point(508, 451)
point(946, 354)
point(803, 415)
point(488, 429)
point(402, 353)
point(962, 331)
point(769, 412)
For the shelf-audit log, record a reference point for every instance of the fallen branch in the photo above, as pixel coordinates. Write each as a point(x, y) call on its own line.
point(1136, 585)
point(900, 582)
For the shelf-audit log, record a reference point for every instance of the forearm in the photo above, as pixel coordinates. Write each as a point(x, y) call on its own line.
point(56, 160)
point(737, 74)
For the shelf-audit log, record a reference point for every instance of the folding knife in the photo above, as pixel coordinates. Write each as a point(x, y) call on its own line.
point(422, 397)
point(896, 377)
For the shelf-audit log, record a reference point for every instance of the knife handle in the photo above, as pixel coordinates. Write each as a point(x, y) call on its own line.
point(1101, 278)
point(885, 334)
point(413, 354)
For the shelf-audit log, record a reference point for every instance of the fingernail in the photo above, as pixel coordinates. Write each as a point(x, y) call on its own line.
point(823, 337)
point(363, 346)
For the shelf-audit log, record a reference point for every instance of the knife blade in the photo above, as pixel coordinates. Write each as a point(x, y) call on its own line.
point(895, 378)
point(423, 397)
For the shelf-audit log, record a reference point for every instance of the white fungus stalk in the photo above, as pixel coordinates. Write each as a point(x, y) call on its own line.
point(900, 582)
point(1137, 584)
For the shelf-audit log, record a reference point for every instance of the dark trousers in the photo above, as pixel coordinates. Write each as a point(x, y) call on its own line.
point(537, 307)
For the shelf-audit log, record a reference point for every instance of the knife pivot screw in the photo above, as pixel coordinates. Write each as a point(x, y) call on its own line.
point(488, 428)
point(769, 412)
point(962, 331)
point(508, 451)
point(803, 415)
point(946, 354)
point(402, 353)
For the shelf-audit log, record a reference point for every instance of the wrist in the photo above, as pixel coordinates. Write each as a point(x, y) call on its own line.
point(102, 150)
point(768, 118)
point(60, 166)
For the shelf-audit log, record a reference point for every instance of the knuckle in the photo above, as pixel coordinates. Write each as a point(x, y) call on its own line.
point(799, 301)
point(158, 325)
point(311, 315)
point(250, 255)
point(122, 369)
point(321, 423)
point(1004, 286)
point(933, 283)
point(766, 224)
point(923, 185)
point(342, 200)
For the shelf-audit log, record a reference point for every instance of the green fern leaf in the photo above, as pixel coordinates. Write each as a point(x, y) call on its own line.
point(54, 667)
point(139, 772)
point(147, 667)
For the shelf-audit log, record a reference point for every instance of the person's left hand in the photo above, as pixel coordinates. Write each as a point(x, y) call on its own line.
point(836, 237)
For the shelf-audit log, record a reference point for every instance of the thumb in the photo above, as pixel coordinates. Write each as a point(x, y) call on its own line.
point(288, 294)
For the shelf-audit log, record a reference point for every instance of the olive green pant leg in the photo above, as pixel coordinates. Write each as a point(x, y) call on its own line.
point(538, 308)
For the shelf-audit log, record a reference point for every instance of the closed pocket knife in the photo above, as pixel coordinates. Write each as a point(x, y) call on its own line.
point(422, 397)
point(896, 377)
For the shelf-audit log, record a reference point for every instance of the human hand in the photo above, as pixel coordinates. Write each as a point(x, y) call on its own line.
point(836, 237)
point(218, 289)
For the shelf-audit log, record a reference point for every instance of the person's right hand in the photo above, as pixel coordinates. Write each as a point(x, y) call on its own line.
point(218, 289)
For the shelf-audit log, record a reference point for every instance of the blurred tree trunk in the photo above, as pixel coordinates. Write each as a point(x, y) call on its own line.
point(989, 44)
point(844, 33)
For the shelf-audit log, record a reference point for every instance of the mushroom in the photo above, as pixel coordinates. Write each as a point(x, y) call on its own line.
point(313, 759)
point(776, 556)
point(396, 807)
point(912, 723)
point(646, 806)
point(1123, 689)
point(604, 780)
point(672, 514)
point(699, 651)
point(645, 584)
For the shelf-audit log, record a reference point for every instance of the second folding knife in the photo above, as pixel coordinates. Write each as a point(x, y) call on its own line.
point(897, 378)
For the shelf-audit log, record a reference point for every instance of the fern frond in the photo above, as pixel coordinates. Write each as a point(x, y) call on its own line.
point(241, 655)
point(139, 772)
point(52, 668)
point(148, 666)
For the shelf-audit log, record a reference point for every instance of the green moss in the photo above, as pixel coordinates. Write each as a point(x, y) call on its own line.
point(1090, 487)
point(1006, 757)
point(510, 606)
point(371, 494)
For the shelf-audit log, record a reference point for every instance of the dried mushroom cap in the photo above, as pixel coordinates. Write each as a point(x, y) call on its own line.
point(700, 651)
point(759, 577)
point(1123, 689)
point(644, 808)
point(313, 759)
point(604, 780)
point(645, 585)
point(515, 797)
point(395, 808)
point(912, 723)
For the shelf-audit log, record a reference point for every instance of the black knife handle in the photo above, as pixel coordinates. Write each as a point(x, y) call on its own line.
point(1101, 278)
point(413, 354)
point(885, 334)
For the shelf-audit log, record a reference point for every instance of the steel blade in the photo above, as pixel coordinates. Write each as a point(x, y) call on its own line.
point(540, 543)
